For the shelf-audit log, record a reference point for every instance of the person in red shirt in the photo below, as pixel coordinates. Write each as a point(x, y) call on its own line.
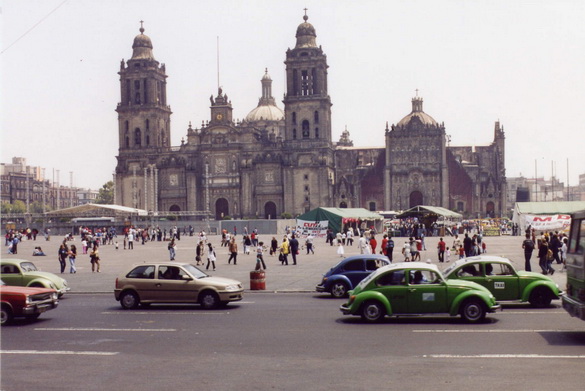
point(384, 244)
point(373, 243)
point(441, 246)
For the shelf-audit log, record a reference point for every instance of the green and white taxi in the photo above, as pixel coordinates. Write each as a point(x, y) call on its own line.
point(499, 276)
point(417, 288)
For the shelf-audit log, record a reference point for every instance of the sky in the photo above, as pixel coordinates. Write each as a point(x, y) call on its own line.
point(473, 62)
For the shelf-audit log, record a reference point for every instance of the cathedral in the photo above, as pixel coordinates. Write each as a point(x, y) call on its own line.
point(277, 162)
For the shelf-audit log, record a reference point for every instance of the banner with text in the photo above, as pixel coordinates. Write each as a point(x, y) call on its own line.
point(548, 222)
point(317, 229)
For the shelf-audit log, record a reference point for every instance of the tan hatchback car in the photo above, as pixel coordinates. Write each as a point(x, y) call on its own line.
point(173, 282)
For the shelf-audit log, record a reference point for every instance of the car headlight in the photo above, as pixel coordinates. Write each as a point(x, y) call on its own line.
point(28, 300)
point(54, 296)
point(53, 286)
point(233, 287)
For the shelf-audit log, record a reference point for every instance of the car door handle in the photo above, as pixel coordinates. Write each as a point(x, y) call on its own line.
point(158, 285)
point(412, 289)
point(489, 280)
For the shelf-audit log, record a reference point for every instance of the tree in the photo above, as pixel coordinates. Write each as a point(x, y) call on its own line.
point(106, 194)
point(15, 207)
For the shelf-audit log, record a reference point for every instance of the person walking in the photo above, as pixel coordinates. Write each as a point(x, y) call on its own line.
point(233, 249)
point(389, 248)
point(131, 239)
point(309, 245)
point(199, 253)
point(94, 258)
point(528, 246)
point(340, 250)
point(363, 245)
point(63, 250)
point(373, 243)
point(260, 256)
point(172, 249)
point(273, 246)
point(542, 252)
point(72, 256)
point(284, 251)
point(294, 248)
point(441, 246)
point(210, 256)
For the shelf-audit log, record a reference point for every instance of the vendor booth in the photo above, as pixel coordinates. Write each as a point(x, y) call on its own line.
point(429, 215)
point(317, 221)
point(545, 216)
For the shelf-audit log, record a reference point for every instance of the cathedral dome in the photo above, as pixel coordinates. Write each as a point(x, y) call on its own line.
point(142, 47)
point(306, 35)
point(418, 112)
point(266, 109)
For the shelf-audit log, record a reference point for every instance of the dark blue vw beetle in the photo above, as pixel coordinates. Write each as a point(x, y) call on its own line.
point(348, 273)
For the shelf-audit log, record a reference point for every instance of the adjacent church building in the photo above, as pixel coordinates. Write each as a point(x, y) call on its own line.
point(285, 161)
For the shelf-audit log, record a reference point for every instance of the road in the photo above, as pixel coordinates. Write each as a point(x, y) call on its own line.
point(287, 341)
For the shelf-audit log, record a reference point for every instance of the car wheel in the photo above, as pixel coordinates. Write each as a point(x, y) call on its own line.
point(129, 300)
point(473, 311)
point(5, 315)
point(540, 297)
point(339, 289)
point(372, 311)
point(209, 300)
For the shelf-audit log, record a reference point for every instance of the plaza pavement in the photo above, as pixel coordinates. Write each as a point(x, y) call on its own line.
point(300, 278)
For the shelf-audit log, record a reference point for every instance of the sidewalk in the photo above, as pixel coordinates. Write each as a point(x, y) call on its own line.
point(300, 278)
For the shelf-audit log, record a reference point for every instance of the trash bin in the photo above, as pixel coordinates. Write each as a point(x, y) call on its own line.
point(258, 280)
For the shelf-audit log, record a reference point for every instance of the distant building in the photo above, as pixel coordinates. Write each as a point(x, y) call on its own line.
point(277, 161)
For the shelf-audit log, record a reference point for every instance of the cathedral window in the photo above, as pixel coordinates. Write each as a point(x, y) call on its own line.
point(147, 124)
point(316, 132)
point(306, 177)
point(145, 92)
point(314, 82)
point(137, 137)
point(295, 85)
point(126, 126)
point(372, 206)
point(316, 116)
point(304, 83)
point(127, 142)
point(305, 129)
point(137, 98)
point(147, 140)
point(294, 134)
point(294, 118)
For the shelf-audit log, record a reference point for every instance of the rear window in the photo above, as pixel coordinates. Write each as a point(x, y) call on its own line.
point(146, 271)
point(577, 239)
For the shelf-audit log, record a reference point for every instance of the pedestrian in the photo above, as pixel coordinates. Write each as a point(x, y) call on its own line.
point(131, 239)
point(414, 253)
point(94, 259)
point(247, 243)
point(72, 256)
point(363, 245)
point(542, 252)
point(294, 248)
point(172, 247)
point(84, 245)
point(210, 256)
point(273, 246)
point(441, 246)
point(284, 251)
point(340, 250)
point(406, 251)
point(373, 243)
point(309, 244)
point(389, 248)
point(260, 257)
point(15, 242)
point(199, 253)
point(349, 236)
point(63, 250)
point(233, 249)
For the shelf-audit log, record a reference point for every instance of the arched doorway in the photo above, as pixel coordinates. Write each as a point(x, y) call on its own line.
point(270, 210)
point(221, 208)
point(490, 209)
point(174, 208)
point(343, 204)
point(416, 199)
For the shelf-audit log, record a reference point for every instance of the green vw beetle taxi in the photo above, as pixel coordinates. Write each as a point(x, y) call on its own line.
point(417, 288)
point(501, 278)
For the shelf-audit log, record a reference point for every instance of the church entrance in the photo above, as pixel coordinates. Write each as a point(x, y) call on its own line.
point(416, 199)
point(270, 210)
point(342, 204)
point(489, 209)
point(221, 208)
point(174, 208)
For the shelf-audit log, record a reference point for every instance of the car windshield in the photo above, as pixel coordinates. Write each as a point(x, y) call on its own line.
point(28, 267)
point(2, 283)
point(195, 272)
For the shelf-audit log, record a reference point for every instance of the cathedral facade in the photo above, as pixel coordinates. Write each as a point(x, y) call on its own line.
point(285, 161)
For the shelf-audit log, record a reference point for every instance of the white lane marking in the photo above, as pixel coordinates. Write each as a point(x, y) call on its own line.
point(161, 313)
point(97, 329)
point(540, 356)
point(62, 352)
point(495, 331)
point(509, 312)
